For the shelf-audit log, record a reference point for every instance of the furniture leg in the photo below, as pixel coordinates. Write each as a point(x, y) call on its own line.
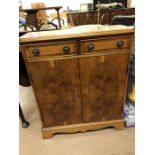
point(56, 27)
point(53, 25)
point(58, 14)
point(56, 18)
point(31, 19)
point(25, 124)
point(26, 26)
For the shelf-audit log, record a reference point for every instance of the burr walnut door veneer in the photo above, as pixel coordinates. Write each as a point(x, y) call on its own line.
point(57, 87)
point(102, 86)
point(79, 81)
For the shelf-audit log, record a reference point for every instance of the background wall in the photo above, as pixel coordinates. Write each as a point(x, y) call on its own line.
point(74, 5)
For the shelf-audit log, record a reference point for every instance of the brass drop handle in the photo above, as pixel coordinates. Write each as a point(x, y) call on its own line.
point(36, 51)
point(120, 44)
point(66, 49)
point(90, 47)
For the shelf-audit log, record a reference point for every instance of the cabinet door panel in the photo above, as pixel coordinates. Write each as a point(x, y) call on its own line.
point(103, 81)
point(57, 88)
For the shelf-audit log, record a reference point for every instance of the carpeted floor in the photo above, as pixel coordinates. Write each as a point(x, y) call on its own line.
point(102, 142)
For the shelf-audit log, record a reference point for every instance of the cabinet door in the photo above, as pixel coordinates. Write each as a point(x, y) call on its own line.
point(57, 88)
point(103, 80)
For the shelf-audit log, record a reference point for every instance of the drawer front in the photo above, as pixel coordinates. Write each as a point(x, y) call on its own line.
point(101, 45)
point(63, 48)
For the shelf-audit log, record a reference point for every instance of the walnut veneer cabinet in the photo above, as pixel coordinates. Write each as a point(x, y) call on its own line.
point(79, 80)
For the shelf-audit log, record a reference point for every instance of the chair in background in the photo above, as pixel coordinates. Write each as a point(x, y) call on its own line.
point(56, 18)
point(123, 20)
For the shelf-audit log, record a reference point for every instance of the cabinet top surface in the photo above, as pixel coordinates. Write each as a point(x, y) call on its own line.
point(76, 32)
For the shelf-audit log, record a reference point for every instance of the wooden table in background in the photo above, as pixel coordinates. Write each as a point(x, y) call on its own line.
point(31, 18)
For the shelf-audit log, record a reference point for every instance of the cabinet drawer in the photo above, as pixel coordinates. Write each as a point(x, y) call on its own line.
point(61, 48)
point(104, 44)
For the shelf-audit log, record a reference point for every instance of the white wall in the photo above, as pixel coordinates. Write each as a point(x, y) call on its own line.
point(74, 5)
point(133, 3)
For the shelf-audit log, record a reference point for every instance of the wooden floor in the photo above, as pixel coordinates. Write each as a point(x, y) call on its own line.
point(102, 142)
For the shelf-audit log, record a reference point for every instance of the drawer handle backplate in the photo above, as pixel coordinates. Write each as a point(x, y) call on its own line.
point(36, 51)
point(120, 44)
point(90, 47)
point(66, 49)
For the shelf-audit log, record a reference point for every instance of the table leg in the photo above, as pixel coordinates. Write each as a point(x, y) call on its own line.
point(32, 20)
point(25, 124)
point(58, 15)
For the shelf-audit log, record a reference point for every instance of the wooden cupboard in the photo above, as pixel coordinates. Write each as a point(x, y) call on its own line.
point(79, 81)
point(91, 17)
